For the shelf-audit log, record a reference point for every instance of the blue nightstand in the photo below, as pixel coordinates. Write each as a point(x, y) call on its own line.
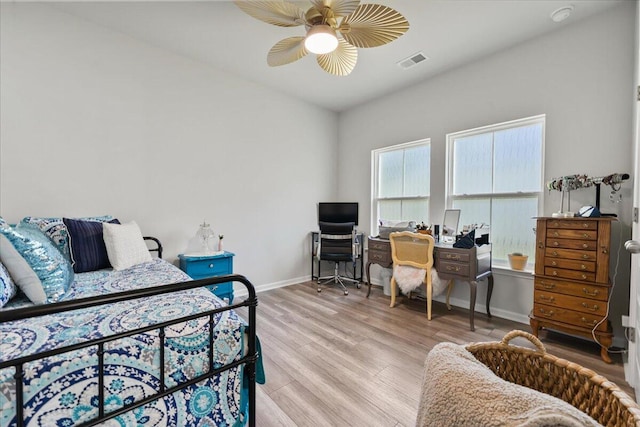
point(201, 267)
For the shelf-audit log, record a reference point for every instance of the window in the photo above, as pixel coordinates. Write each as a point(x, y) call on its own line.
point(401, 183)
point(495, 177)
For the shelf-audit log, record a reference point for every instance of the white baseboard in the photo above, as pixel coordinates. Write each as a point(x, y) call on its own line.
point(275, 285)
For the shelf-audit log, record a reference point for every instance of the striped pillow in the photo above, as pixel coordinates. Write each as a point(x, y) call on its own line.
point(86, 245)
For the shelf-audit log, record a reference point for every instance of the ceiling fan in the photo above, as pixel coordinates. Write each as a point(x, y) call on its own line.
point(335, 28)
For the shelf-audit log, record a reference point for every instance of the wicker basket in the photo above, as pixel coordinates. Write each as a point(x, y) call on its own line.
point(602, 400)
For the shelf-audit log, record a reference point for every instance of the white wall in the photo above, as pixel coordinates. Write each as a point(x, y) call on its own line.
point(579, 76)
point(94, 122)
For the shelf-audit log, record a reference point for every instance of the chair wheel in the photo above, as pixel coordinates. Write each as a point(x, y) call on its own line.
point(319, 290)
point(358, 285)
point(346, 292)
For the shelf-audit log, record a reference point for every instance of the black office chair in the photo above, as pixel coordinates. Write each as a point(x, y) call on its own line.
point(337, 242)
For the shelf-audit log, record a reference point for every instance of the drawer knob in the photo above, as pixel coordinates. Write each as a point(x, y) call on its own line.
point(585, 225)
point(594, 308)
point(593, 293)
point(585, 321)
point(554, 263)
point(555, 224)
point(585, 256)
point(541, 245)
point(582, 266)
point(548, 285)
point(451, 268)
point(584, 245)
point(605, 251)
point(584, 277)
point(555, 253)
point(555, 234)
point(555, 273)
point(585, 235)
point(546, 298)
point(556, 243)
point(211, 265)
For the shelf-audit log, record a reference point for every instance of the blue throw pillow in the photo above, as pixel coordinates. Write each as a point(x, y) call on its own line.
point(7, 287)
point(86, 245)
point(53, 270)
point(55, 230)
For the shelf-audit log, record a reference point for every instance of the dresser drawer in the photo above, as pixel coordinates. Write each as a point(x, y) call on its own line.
point(572, 234)
point(587, 245)
point(570, 254)
point(572, 224)
point(570, 317)
point(222, 290)
point(569, 274)
point(571, 264)
point(583, 305)
point(585, 290)
point(199, 269)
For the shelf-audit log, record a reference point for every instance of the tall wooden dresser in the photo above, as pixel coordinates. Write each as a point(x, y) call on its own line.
point(572, 285)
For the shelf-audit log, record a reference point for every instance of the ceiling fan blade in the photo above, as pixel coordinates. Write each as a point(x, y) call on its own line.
point(373, 25)
point(339, 7)
point(278, 13)
point(341, 61)
point(286, 51)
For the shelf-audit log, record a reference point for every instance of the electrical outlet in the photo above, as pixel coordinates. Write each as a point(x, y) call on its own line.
point(626, 322)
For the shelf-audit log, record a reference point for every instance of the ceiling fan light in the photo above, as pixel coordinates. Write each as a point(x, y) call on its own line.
point(321, 39)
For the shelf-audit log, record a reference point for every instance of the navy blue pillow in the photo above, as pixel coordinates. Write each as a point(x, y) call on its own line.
point(86, 244)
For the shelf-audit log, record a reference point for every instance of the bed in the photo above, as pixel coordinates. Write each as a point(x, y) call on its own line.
point(145, 345)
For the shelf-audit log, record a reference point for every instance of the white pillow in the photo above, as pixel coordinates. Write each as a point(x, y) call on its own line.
point(125, 245)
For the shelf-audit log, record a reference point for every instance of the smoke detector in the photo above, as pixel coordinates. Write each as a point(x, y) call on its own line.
point(414, 59)
point(561, 14)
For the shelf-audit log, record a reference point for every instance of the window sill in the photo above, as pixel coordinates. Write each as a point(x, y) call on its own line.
point(507, 271)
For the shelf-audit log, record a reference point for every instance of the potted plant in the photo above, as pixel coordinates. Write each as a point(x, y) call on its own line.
point(518, 261)
point(422, 228)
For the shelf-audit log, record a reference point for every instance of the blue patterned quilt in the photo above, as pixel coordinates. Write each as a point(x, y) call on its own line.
point(62, 390)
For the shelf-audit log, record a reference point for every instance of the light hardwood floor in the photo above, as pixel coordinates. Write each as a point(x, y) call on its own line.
point(336, 360)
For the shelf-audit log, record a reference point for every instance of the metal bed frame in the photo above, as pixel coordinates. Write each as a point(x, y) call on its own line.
point(249, 359)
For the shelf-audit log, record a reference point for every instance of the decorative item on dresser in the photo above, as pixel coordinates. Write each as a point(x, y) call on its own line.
point(572, 285)
point(204, 266)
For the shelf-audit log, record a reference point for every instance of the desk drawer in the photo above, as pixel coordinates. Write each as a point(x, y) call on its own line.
point(453, 268)
point(377, 245)
point(379, 257)
point(445, 255)
point(208, 267)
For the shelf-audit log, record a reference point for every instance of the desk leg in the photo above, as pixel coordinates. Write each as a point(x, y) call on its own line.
point(489, 292)
point(369, 278)
point(473, 286)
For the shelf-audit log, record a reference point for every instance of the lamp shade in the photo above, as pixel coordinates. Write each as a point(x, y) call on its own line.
point(321, 39)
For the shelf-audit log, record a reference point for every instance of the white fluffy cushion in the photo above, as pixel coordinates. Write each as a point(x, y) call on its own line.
point(125, 245)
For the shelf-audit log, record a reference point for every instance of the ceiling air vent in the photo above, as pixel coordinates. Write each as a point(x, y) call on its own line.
point(412, 60)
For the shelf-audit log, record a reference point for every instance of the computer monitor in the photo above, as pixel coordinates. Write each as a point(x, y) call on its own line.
point(338, 212)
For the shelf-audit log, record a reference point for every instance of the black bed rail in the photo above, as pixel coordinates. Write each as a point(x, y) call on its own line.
point(249, 359)
point(158, 247)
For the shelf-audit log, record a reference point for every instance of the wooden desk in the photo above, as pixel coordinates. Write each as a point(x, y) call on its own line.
point(470, 265)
